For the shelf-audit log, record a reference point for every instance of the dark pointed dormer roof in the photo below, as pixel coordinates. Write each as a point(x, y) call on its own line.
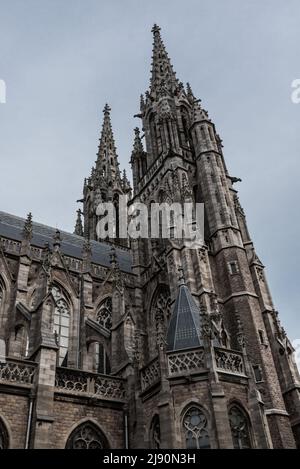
point(184, 327)
point(162, 72)
point(107, 159)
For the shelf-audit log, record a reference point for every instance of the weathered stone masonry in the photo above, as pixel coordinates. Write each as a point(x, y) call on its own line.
point(116, 343)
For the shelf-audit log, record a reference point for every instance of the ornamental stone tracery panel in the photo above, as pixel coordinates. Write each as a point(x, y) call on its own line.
point(87, 436)
point(104, 313)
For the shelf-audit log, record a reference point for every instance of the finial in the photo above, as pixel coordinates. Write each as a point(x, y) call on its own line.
point(47, 259)
point(181, 280)
point(106, 109)
point(78, 226)
point(113, 257)
point(27, 230)
point(155, 28)
point(137, 144)
point(86, 247)
point(56, 239)
point(190, 92)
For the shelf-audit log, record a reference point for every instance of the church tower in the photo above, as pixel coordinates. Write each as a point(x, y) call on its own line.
point(219, 322)
point(105, 184)
point(153, 342)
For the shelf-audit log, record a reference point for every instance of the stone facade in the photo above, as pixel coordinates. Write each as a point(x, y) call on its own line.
point(106, 344)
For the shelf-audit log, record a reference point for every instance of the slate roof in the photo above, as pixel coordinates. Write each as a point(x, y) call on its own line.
point(184, 327)
point(11, 227)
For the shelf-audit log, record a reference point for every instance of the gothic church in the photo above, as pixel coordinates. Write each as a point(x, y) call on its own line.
point(145, 343)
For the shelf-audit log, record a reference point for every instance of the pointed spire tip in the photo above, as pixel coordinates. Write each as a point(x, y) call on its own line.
point(106, 109)
point(155, 28)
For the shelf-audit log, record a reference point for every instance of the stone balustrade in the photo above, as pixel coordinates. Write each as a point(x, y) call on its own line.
point(17, 372)
point(186, 362)
point(89, 384)
point(229, 361)
point(150, 374)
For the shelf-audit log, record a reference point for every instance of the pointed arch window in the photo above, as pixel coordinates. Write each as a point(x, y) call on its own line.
point(87, 436)
point(240, 428)
point(61, 324)
point(155, 433)
point(104, 313)
point(195, 428)
point(4, 440)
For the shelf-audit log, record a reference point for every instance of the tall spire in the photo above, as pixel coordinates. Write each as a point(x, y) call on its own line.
point(163, 74)
point(107, 160)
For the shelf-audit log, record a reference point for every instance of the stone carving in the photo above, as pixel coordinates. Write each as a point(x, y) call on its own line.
point(27, 229)
point(260, 273)
point(109, 388)
point(161, 312)
point(87, 383)
point(229, 361)
point(240, 332)
point(86, 436)
point(104, 313)
point(17, 372)
point(195, 428)
point(71, 381)
point(150, 375)
point(186, 362)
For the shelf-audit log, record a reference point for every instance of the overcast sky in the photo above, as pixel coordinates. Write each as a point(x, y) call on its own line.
point(63, 59)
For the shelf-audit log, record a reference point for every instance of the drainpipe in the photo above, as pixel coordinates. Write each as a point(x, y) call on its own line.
point(126, 430)
point(79, 358)
point(29, 421)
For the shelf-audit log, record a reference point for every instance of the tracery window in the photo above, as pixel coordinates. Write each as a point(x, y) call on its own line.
point(155, 433)
point(104, 313)
point(195, 428)
point(86, 436)
point(4, 441)
point(160, 316)
point(61, 324)
point(240, 429)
